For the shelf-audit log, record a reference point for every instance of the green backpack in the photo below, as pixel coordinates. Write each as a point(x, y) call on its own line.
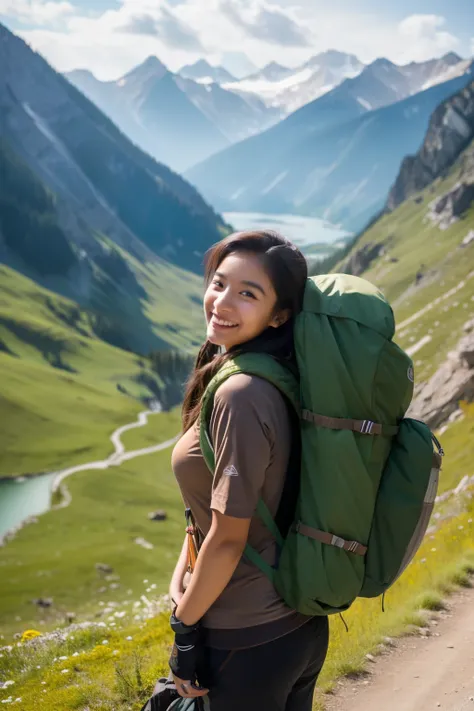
point(369, 475)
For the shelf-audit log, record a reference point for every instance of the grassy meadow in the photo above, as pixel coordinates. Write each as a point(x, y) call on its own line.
point(63, 390)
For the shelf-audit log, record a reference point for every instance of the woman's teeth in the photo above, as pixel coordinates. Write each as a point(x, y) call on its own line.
point(221, 322)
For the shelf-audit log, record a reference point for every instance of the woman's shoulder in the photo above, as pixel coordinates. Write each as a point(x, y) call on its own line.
point(242, 388)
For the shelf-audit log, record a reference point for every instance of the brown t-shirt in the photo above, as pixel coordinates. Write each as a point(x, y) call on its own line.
point(251, 436)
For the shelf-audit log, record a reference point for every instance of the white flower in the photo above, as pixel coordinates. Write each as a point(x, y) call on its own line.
point(43, 682)
point(64, 671)
point(129, 639)
point(105, 641)
point(62, 658)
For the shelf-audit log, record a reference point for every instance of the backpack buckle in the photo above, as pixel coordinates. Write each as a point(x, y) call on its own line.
point(337, 541)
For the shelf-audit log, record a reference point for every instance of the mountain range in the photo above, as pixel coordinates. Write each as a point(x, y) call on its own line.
point(88, 214)
point(337, 156)
point(177, 120)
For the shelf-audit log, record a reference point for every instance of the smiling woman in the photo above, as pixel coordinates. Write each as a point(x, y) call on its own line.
point(254, 287)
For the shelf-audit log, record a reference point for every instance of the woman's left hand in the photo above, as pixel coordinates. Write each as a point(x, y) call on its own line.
point(187, 689)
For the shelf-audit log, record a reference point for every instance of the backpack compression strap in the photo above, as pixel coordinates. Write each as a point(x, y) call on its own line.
point(339, 423)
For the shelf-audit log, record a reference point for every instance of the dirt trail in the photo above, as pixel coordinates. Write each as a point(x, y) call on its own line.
point(420, 673)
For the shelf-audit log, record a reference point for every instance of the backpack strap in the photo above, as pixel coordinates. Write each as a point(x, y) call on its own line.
point(266, 367)
point(339, 423)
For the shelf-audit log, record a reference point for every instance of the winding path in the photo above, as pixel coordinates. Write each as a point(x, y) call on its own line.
point(118, 456)
point(421, 673)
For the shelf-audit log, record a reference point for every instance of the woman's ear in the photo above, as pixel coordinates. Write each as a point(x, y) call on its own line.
point(280, 318)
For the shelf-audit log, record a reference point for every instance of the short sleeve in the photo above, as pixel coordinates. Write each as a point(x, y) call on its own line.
point(242, 445)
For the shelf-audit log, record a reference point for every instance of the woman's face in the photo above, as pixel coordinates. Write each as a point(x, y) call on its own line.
point(240, 301)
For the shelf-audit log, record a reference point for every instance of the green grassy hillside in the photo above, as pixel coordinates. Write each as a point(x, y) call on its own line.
point(441, 299)
point(64, 390)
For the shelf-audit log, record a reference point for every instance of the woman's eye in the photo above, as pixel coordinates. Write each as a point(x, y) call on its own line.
point(248, 293)
point(217, 283)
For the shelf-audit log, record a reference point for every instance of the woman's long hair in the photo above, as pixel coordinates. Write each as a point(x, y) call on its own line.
point(288, 271)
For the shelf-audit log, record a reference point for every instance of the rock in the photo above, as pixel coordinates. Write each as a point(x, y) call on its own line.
point(104, 568)
point(159, 515)
point(450, 130)
point(468, 239)
point(143, 543)
point(44, 602)
point(420, 274)
point(446, 209)
point(370, 657)
point(362, 258)
point(439, 398)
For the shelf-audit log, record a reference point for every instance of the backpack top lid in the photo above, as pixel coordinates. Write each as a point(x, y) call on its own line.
point(347, 296)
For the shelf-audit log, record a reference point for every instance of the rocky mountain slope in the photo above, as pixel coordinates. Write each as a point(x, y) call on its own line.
point(202, 71)
point(333, 158)
point(288, 89)
point(357, 87)
point(84, 211)
point(176, 119)
point(425, 266)
point(450, 130)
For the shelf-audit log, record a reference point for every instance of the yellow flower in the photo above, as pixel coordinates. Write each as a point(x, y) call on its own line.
point(30, 634)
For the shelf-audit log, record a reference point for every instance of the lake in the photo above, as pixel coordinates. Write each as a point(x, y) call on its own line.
point(311, 234)
point(24, 497)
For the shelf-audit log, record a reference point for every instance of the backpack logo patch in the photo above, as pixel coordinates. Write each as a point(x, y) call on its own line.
point(231, 471)
point(411, 374)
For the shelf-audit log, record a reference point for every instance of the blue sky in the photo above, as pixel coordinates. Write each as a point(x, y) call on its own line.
point(111, 36)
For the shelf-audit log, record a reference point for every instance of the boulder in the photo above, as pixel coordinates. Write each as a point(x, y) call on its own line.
point(446, 209)
point(439, 398)
point(44, 602)
point(104, 568)
point(468, 239)
point(362, 258)
point(159, 515)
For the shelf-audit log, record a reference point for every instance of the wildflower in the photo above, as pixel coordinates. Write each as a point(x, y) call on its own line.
point(7, 701)
point(30, 634)
point(43, 682)
point(10, 682)
point(64, 671)
point(62, 658)
point(129, 639)
point(105, 641)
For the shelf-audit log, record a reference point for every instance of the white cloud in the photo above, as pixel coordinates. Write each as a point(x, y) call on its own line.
point(180, 31)
point(268, 23)
point(167, 27)
point(424, 37)
point(36, 12)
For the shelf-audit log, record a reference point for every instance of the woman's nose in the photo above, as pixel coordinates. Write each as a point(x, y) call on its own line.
point(223, 299)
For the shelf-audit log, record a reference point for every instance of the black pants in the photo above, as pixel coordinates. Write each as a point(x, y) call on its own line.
point(276, 676)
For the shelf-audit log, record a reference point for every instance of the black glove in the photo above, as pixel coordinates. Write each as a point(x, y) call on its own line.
point(184, 656)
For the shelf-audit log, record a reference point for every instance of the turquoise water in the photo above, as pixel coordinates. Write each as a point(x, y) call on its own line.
point(20, 498)
point(303, 231)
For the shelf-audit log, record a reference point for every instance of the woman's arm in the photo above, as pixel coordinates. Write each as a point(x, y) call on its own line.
point(217, 560)
point(176, 589)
